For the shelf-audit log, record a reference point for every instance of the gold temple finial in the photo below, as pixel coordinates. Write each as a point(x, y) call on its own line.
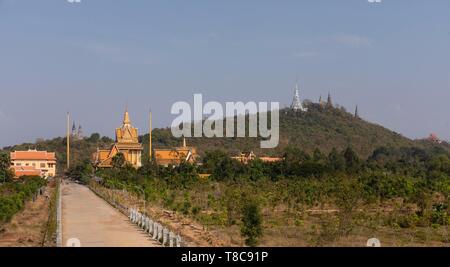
point(126, 117)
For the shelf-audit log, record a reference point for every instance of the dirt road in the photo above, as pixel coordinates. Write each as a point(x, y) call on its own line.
point(95, 223)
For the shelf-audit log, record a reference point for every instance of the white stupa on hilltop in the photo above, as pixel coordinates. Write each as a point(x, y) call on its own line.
point(296, 102)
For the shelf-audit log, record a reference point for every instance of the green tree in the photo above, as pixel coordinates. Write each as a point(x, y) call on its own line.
point(251, 223)
point(336, 161)
point(347, 194)
point(351, 159)
point(94, 138)
point(118, 161)
point(5, 171)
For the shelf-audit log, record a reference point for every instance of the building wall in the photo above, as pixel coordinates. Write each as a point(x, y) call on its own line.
point(47, 167)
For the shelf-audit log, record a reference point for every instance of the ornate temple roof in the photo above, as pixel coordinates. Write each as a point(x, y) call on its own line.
point(127, 133)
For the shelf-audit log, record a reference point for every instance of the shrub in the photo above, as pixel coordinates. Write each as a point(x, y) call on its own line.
point(252, 224)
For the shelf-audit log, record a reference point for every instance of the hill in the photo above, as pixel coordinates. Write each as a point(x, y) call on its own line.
point(322, 128)
point(319, 127)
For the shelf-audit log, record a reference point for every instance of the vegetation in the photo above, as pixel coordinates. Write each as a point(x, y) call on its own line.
point(5, 173)
point(14, 194)
point(338, 174)
point(260, 195)
point(251, 224)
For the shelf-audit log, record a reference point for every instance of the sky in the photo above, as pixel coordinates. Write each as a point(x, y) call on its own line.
point(97, 57)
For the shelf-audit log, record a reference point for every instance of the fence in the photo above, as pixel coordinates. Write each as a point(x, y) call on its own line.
point(157, 231)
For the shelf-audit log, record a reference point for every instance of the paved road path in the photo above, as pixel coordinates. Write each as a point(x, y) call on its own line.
point(95, 223)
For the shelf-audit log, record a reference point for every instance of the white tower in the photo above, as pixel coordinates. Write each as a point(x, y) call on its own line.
point(296, 103)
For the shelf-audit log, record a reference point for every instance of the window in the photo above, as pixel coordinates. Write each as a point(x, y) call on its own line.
point(34, 164)
point(18, 164)
point(27, 164)
point(43, 165)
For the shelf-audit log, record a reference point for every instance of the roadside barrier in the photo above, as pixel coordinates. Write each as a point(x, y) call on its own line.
point(155, 230)
point(150, 226)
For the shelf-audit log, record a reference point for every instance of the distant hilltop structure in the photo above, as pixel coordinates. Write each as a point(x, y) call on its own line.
point(77, 132)
point(434, 138)
point(296, 102)
point(299, 106)
point(329, 103)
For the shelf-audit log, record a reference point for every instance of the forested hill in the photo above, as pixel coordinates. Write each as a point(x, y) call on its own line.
point(319, 127)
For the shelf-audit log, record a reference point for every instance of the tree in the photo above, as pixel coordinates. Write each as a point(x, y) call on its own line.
point(347, 195)
point(5, 172)
point(252, 223)
point(94, 138)
point(118, 161)
point(336, 161)
point(221, 166)
point(293, 158)
point(351, 159)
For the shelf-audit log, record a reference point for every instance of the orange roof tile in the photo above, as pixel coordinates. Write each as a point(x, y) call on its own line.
point(33, 155)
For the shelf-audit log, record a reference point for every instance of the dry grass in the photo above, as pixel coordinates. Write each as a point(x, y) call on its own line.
point(27, 228)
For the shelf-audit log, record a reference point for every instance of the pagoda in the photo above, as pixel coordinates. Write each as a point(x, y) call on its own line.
point(127, 143)
point(296, 103)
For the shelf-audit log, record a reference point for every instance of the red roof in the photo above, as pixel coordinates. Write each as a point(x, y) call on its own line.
point(33, 155)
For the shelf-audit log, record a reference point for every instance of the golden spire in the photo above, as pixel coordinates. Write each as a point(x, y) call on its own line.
point(126, 117)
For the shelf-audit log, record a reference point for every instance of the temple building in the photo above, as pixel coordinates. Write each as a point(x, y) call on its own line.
point(248, 156)
point(175, 156)
point(33, 163)
point(296, 102)
point(127, 143)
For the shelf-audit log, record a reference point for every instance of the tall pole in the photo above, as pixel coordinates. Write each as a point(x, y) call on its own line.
point(68, 141)
point(150, 136)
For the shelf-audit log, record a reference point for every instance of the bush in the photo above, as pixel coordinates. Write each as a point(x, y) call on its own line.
point(439, 214)
point(18, 192)
point(252, 224)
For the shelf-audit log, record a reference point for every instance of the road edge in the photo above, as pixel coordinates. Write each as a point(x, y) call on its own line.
point(58, 215)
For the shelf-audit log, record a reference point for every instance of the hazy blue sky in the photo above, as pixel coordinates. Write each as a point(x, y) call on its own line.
point(95, 57)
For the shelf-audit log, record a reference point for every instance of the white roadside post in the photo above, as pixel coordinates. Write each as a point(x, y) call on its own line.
point(160, 231)
point(155, 230)
point(165, 233)
point(171, 237)
point(150, 227)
